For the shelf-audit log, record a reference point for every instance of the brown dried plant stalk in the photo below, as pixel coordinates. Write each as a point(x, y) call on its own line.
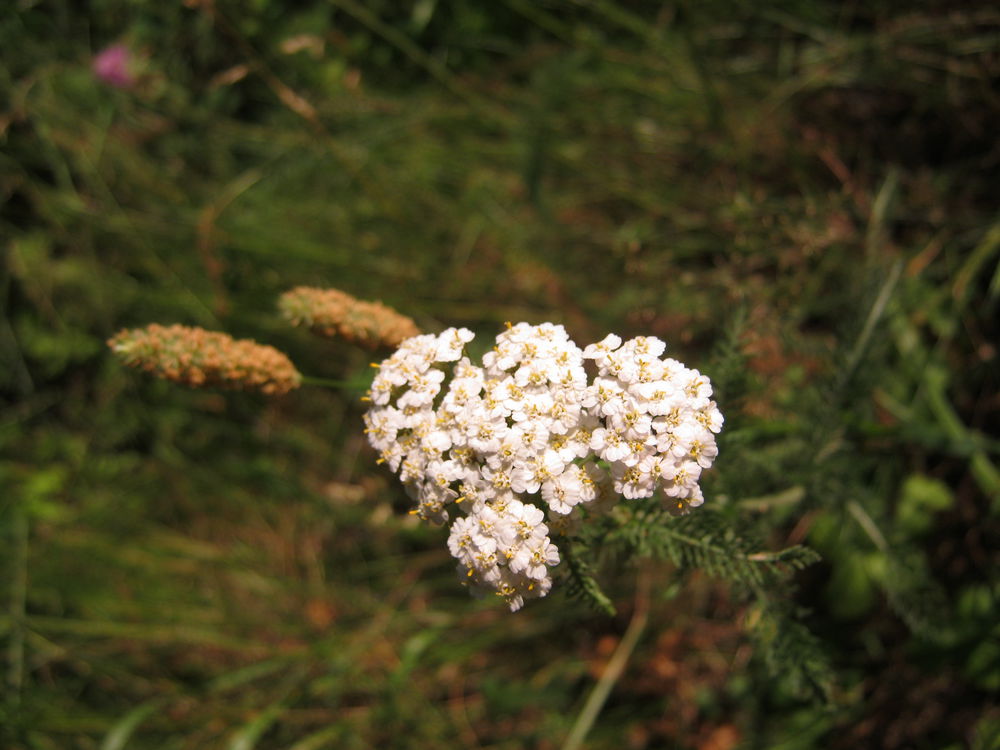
point(331, 312)
point(200, 358)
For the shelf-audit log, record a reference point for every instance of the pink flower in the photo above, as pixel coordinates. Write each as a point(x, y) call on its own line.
point(113, 66)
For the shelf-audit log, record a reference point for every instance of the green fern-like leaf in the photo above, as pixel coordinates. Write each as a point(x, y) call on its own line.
point(705, 540)
point(914, 594)
point(582, 583)
point(791, 651)
point(727, 363)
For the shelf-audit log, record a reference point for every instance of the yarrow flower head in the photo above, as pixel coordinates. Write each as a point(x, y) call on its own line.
point(525, 445)
point(196, 357)
point(331, 313)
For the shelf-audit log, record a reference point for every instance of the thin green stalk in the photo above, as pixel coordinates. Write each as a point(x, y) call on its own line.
point(874, 240)
point(18, 602)
point(880, 213)
point(874, 316)
point(866, 523)
point(984, 471)
point(616, 666)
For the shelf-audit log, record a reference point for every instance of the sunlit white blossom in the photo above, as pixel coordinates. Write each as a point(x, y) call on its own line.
point(523, 449)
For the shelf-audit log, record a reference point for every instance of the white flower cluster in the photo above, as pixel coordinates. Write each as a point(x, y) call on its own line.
point(529, 423)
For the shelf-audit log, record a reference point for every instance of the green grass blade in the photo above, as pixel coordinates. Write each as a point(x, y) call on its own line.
point(118, 736)
point(246, 738)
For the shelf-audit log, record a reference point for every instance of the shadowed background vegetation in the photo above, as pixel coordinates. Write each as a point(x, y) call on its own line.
point(799, 197)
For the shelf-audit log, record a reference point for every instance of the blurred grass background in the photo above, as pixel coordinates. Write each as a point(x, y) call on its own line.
point(800, 197)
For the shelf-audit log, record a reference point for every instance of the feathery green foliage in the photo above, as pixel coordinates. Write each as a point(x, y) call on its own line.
point(702, 540)
point(791, 651)
point(581, 581)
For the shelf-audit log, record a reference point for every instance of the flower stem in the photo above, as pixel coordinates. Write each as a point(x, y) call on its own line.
point(615, 667)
